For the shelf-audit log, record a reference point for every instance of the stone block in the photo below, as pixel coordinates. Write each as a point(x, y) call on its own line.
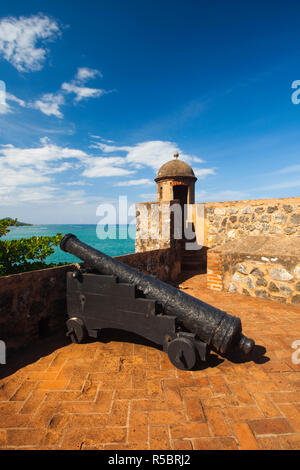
point(261, 282)
point(288, 208)
point(220, 211)
point(280, 274)
point(296, 299)
point(285, 289)
point(249, 283)
point(297, 271)
point(295, 219)
point(241, 268)
point(247, 210)
point(237, 277)
point(279, 218)
point(273, 287)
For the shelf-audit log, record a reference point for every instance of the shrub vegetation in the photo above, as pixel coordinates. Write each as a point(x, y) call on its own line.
point(27, 254)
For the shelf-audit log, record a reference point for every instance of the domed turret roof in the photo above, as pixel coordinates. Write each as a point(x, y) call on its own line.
point(175, 168)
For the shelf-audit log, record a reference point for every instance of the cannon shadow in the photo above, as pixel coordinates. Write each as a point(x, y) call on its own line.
point(43, 348)
point(16, 360)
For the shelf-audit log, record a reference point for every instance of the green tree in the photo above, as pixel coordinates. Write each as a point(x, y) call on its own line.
point(27, 254)
point(4, 223)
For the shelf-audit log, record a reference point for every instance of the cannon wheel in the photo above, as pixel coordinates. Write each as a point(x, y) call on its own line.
point(182, 353)
point(76, 330)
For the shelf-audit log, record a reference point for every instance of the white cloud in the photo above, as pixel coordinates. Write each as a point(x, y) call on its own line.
point(49, 104)
point(84, 73)
point(19, 38)
point(18, 195)
point(15, 177)
point(202, 172)
point(77, 183)
point(76, 85)
point(23, 171)
point(27, 173)
point(99, 167)
point(287, 169)
point(101, 138)
point(5, 108)
point(82, 92)
point(110, 148)
point(11, 97)
point(38, 157)
point(151, 153)
point(140, 182)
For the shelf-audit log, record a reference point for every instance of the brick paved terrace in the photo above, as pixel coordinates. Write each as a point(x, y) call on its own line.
point(123, 393)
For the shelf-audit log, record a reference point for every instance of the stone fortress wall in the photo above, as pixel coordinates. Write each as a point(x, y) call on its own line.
point(267, 265)
point(216, 223)
point(259, 266)
point(273, 275)
point(227, 221)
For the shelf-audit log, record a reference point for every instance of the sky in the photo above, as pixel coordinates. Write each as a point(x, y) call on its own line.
point(99, 94)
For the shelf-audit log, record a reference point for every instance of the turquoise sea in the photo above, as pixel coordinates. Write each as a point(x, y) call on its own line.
point(121, 245)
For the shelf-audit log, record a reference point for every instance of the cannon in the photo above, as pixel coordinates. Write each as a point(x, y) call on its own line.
point(111, 294)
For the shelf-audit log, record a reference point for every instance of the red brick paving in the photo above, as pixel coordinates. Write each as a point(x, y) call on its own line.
point(122, 395)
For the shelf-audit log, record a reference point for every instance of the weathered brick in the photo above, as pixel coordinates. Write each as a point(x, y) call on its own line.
point(292, 415)
point(106, 435)
point(216, 443)
point(194, 410)
point(165, 417)
point(183, 444)
point(159, 438)
point(217, 423)
point(241, 394)
point(266, 405)
point(244, 436)
point(243, 413)
point(270, 426)
point(218, 385)
point(189, 430)
point(24, 437)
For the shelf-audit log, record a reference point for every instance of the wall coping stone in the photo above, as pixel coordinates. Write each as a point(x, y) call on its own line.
point(259, 245)
point(295, 200)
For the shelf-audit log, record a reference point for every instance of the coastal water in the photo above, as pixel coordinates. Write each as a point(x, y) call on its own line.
point(121, 245)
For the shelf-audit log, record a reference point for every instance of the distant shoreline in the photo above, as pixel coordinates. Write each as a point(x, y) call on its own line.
point(15, 224)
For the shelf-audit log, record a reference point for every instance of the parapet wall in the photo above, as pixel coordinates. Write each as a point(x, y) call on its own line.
point(227, 221)
point(165, 264)
point(258, 266)
point(33, 304)
point(217, 222)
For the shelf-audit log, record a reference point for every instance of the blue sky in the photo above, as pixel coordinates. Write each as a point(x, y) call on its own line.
point(100, 93)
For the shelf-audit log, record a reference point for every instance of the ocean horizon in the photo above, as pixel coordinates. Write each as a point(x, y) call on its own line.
point(123, 244)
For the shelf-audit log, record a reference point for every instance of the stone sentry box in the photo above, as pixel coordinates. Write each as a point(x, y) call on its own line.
point(258, 266)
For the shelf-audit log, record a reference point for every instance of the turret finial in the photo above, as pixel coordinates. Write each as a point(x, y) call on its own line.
point(176, 155)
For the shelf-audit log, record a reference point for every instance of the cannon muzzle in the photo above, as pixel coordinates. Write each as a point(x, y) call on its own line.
point(212, 326)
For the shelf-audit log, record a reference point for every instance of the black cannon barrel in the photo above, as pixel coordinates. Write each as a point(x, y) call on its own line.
point(213, 326)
